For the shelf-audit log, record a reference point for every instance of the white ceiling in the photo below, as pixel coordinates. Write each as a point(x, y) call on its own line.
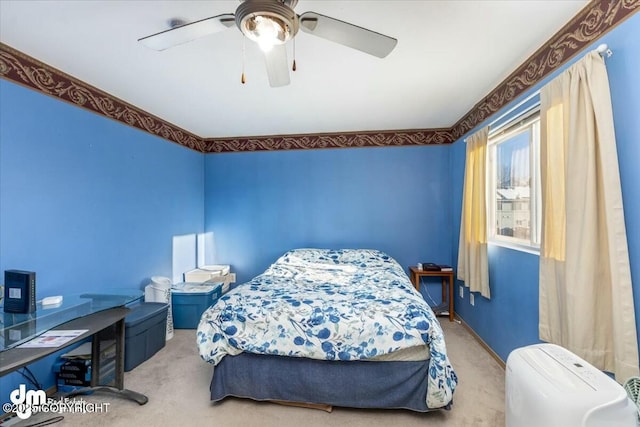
point(450, 54)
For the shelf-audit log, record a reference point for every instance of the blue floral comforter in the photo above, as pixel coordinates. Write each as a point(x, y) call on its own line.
point(331, 305)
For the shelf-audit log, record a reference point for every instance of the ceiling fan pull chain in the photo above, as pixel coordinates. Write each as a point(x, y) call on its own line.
point(294, 55)
point(243, 80)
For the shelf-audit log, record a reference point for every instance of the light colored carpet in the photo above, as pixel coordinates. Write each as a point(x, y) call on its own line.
point(176, 381)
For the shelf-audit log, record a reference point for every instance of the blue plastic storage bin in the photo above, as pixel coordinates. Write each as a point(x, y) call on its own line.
point(190, 300)
point(145, 331)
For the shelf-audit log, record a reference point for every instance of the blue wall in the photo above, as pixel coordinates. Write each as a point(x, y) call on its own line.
point(259, 205)
point(510, 319)
point(86, 202)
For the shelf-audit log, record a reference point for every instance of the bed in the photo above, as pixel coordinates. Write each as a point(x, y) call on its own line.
point(331, 327)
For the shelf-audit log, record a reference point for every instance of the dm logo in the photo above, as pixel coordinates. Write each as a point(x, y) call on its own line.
point(24, 400)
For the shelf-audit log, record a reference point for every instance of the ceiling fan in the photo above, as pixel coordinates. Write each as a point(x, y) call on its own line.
point(271, 23)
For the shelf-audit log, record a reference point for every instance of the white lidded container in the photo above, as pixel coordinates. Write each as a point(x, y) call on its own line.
point(159, 290)
point(207, 273)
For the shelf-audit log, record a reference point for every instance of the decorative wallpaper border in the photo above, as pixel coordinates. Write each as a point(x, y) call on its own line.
point(594, 20)
point(28, 71)
point(330, 140)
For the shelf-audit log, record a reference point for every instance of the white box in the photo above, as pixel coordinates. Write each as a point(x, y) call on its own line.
point(206, 273)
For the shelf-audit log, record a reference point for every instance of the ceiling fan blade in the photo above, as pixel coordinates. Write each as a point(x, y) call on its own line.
point(346, 34)
point(188, 32)
point(277, 65)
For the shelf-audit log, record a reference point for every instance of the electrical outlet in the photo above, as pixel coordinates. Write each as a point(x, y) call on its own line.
point(461, 291)
point(232, 277)
point(472, 299)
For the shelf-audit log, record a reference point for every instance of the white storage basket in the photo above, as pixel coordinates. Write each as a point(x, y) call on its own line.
point(159, 290)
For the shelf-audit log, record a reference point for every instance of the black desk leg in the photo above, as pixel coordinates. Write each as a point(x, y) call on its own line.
point(119, 389)
point(120, 354)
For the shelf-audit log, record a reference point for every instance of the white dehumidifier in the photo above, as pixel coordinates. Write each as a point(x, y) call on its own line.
point(548, 386)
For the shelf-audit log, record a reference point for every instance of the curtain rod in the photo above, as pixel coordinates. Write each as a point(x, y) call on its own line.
point(602, 49)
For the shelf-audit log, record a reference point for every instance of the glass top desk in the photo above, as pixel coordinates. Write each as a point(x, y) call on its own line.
point(18, 328)
point(96, 313)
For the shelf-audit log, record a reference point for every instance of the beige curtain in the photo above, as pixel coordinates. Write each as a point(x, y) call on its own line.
point(473, 266)
point(586, 300)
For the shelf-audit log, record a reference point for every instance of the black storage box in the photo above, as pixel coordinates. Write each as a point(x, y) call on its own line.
point(145, 332)
point(78, 372)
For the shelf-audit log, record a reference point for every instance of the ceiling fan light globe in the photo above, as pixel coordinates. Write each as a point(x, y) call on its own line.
point(266, 31)
point(267, 22)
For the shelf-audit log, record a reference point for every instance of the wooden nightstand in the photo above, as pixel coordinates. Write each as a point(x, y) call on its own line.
point(417, 274)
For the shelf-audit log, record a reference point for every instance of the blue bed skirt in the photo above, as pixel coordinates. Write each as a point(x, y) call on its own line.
point(356, 384)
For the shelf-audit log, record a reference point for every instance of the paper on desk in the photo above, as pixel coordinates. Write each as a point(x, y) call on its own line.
point(53, 338)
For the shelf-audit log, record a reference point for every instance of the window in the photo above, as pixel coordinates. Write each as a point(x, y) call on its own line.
point(514, 182)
